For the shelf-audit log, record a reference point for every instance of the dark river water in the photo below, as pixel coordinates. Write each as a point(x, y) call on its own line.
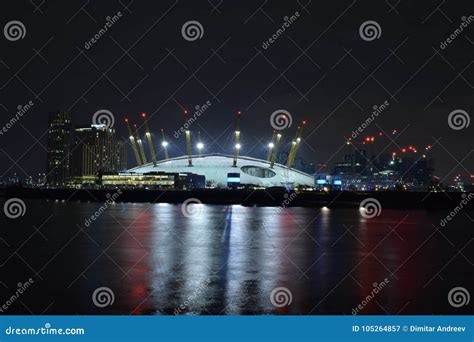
point(232, 260)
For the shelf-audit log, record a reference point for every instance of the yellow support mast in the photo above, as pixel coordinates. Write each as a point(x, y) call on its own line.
point(275, 150)
point(164, 143)
point(149, 140)
point(189, 147)
point(237, 141)
point(140, 145)
point(132, 142)
point(294, 146)
point(271, 145)
point(199, 145)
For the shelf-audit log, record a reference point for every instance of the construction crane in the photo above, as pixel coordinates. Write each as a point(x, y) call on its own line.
point(294, 146)
point(149, 140)
point(237, 141)
point(140, 145)
point(164, 143)
point(189, 147)
point(132, 142)
point(275, 150)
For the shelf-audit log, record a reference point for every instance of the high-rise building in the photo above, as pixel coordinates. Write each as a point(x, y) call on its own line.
point(96, 150)
point(59, 133)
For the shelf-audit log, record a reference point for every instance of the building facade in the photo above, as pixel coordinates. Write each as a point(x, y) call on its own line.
point(96, 150)
point(58, 161)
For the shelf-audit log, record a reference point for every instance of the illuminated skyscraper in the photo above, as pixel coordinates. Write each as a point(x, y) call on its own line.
point(96, 150)
point(59, 134)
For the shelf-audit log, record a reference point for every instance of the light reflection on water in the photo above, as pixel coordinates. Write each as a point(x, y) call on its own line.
point(228, 259)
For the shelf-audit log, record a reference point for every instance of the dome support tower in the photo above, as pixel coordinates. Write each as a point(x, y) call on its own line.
point(132, 142)
point(237, 141)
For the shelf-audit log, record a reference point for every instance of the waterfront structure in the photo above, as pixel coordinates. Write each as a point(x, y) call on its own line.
point(95, 150)
point(152, 180)
point(218, 169)
point(58, 142)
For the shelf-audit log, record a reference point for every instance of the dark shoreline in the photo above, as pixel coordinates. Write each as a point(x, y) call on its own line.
point(268, 197)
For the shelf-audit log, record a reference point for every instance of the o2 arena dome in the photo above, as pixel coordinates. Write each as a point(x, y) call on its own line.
point(219, 172)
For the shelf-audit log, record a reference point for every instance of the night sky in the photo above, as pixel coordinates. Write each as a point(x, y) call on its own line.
point(320, 69)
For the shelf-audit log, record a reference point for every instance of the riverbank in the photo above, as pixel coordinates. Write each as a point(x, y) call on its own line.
point(267, 197)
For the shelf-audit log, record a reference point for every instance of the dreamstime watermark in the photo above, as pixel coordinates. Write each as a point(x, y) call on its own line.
point(377, 110)
point(459, 119)
point(288, 21)
point(369, 208)
point(457, 32)
point(14, 30)
point(192, 30)
point(110, 200)
point(199, 110)
point(457, 209)
point(22, 287)
point(21, 110)
point(46, 330)
point(281, 297)
point(14, 208)
point(377, 287)
point(103, 117)
point(196, 293)
point(110, 22)
point(458, 296)
point(191, 207)
point(281, 119)
point(370, 30)
point(103, 296)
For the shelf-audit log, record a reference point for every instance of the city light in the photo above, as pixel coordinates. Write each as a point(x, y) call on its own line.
point(238, 146)
point(200, 145)
point(271, 145)
point(164, 143)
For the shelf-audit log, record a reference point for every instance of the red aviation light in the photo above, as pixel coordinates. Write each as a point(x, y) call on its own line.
point(143, 115)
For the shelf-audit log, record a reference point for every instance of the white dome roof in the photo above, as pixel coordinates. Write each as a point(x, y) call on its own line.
point(215, 168)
